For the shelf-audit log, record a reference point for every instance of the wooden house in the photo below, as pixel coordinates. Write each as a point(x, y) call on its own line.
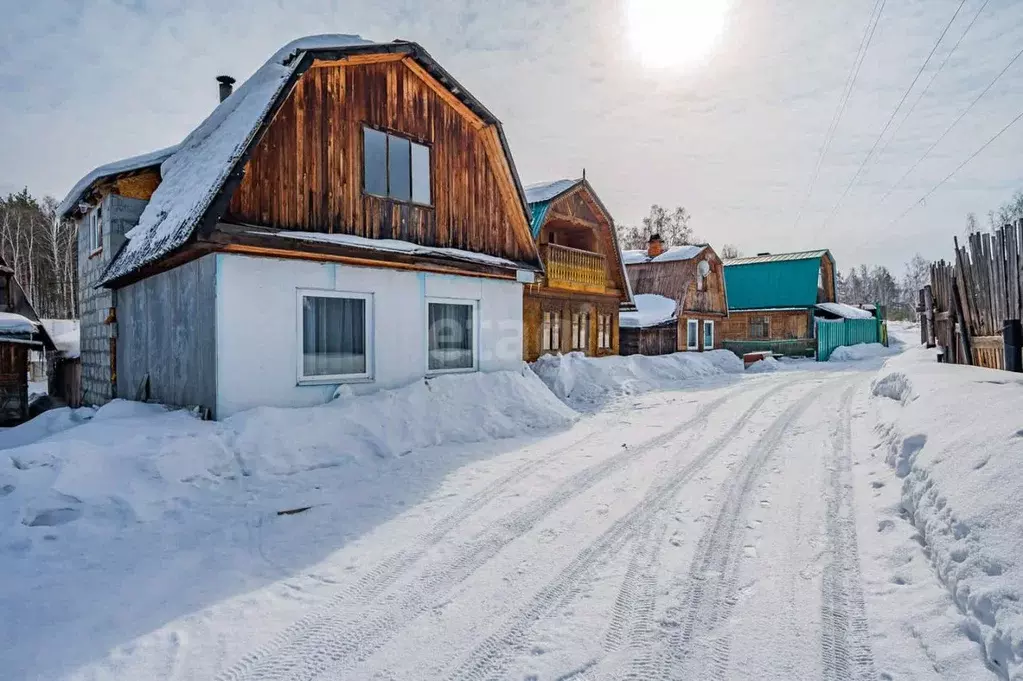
point(574, 307)
point(680, 296)
point(21, 331)
point(350, 215)
point(772, 301)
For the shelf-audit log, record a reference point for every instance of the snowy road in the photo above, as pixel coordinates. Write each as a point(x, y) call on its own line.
point(704, 535)
point(738, 527)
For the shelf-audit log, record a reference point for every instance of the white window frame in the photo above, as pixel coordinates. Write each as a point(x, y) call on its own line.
point(692, 334)
point(95, 227)
point(708, 325)
point(467, 302)
point(333, 379)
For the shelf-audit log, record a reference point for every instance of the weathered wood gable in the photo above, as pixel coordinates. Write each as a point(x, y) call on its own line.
point(677, 279)
point(306, 173)
point(580, 208)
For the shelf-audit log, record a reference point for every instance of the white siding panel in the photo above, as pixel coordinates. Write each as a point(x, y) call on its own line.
point(258, 344)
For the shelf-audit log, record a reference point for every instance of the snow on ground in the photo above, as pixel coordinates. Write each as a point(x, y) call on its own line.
point(954, 435)
point(588, 383)
point(702, 523)
point(856, 353)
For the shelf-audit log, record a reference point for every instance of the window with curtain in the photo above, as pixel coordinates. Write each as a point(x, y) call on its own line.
point(335, 336)
point(604, 331)
point(551, 331)
point(580, 330)
point(692, 335)
point(759, 328)
point(451, 334)
point(395, 167)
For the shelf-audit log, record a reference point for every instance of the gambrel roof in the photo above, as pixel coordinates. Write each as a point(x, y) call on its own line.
point(199, 176)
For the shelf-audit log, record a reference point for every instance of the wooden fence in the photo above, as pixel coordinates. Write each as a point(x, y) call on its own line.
point(969, 301)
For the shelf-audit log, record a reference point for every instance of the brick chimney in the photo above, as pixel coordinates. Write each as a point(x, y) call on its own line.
point(226, 86)
point(655, 246)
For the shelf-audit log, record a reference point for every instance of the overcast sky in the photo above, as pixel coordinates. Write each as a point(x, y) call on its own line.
point(735, 138)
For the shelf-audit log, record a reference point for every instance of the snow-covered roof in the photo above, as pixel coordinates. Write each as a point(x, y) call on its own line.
point(396, 246)
point(651, 310)
point(636, 257)
point(125, 165)
point(845, 311)
point(11, 322)
point(194, 174)
point(545, 191)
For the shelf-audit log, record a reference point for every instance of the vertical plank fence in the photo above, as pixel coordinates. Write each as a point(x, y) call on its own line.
point(971, 300)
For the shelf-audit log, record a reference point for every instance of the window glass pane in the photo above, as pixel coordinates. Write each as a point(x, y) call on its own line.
point(420, 173)
point(546, 331)
point(693, 330)
point(333, 336)
point(398, 171)
point(375, 161)
point(708, 335)
point(450, 336)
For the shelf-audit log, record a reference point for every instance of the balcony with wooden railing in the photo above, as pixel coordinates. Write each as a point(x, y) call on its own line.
point(575, 269)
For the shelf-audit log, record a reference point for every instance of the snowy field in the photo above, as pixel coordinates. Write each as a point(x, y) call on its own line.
point(646, 518)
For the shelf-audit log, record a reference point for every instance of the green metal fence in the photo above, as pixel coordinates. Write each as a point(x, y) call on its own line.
point(832, 334)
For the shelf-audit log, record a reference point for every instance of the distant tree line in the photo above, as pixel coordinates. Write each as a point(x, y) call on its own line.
point(878, 285)
point(42, 251)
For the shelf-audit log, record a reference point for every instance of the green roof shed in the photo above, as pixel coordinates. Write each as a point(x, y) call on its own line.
point(784, 280)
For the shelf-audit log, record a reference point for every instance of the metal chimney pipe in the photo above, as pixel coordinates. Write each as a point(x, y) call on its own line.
point(226, 86)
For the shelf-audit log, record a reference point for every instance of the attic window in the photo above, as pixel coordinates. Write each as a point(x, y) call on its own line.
point(395, 167)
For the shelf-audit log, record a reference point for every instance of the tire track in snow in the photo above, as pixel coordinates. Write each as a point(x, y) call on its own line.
point(710, 586)
point(341, 631)
point(490, 656)
point(845, 639)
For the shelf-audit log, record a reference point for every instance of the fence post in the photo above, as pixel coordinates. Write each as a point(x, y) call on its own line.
point(1012, 336)
point(929, 311)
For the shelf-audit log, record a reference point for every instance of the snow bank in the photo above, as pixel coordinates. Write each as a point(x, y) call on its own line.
point(131, 461)
point(458, 408)
point(764, 366)
point(954, 434)
point(651, 310)
point(855, 353)
point(46, 424)
point(587, 383)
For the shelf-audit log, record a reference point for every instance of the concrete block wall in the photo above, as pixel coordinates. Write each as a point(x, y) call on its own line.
point(119, 214)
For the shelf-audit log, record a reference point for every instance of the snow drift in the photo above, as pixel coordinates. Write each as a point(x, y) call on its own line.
point(132, 461)
point(855, 353)
point(954, 434)
point(587, 383)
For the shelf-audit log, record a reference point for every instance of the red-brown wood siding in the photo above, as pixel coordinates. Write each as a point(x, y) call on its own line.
point(306, 171)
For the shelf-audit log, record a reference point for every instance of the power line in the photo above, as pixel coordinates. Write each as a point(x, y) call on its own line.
point(930, 81)
point(959, 167)
point(850, 83)
point(949, 128)
point(895, 112)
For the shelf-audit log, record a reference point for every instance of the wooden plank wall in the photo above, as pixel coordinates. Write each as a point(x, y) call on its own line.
point(306, 172)
point(538, 300)
point(677, 280)
point(971, 299)
point(785, 325)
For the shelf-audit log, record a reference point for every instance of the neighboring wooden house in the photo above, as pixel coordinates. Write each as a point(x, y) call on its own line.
point(349, 215)
point(772, 301)
point(690, 277)
point(574, 307)
point(20, 332)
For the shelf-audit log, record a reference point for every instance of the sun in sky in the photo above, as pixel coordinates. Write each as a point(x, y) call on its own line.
point(674, 33)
